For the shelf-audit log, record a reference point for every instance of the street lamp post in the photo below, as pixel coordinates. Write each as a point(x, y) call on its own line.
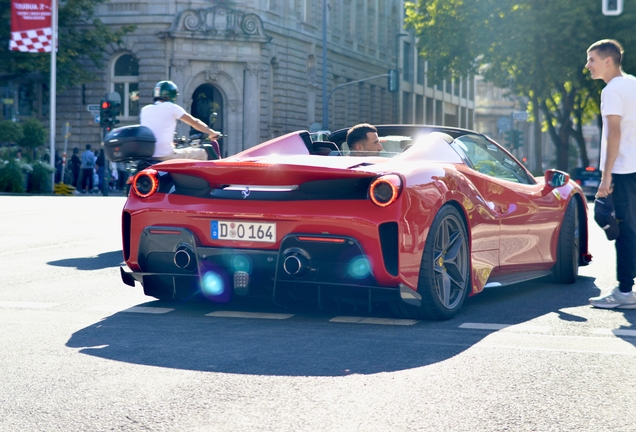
point(325, 108)
point(326, 121)
point(397, 72)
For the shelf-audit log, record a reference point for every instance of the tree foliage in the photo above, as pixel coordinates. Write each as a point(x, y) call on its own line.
point(534, 48)
point(35, 134)
point(10, 132)
point(81, 37)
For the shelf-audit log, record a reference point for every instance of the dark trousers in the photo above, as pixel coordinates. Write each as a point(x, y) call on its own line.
point(625, 204)
point(76, 175)
point(88, 178)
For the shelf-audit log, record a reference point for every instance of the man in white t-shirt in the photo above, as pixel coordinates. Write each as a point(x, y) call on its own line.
point(161, 117)
point(618, 163)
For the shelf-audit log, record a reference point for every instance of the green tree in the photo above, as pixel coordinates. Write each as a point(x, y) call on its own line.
point(534, 48)
point(34, 136)
point(10, 132)
point(81, 37)
point(11, 177)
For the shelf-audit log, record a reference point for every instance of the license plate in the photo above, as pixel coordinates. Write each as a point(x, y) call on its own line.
point(243, 231)
point(591, 183)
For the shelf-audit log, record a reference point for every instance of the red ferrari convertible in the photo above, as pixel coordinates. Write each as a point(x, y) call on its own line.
point(440, 214)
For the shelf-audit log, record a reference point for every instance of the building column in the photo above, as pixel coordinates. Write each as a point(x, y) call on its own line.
point(251, 93)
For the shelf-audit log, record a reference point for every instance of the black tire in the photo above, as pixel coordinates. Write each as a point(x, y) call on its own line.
point(444, 272)
point(566, 268)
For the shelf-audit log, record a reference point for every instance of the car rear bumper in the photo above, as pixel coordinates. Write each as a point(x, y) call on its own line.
point(305, 266)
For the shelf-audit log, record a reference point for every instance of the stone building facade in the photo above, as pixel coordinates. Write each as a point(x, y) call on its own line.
point(253, 69)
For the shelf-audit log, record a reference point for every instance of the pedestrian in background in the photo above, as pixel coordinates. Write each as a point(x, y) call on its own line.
point(76, 164)
point(122, 175)
point(618, 163)
point(58, 168)
point(88, 166)
point(101, 168)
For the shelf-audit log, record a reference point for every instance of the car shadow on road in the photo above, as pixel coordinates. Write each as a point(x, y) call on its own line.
point(97, 262)
point(308, 344)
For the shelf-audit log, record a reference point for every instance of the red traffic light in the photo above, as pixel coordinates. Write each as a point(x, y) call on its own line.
point(105, 104)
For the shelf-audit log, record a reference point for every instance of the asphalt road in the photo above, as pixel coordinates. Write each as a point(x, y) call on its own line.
point(81, 351)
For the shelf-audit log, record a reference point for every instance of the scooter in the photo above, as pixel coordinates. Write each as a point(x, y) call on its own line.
point(211, 147)
point(135, 144)
point(196, 140)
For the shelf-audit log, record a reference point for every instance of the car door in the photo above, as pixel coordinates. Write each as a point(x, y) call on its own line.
point(528, 214)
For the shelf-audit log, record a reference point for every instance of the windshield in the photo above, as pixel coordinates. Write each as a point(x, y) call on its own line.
point(394, 145)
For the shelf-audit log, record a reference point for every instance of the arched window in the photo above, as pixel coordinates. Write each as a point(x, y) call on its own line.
point(125, 81)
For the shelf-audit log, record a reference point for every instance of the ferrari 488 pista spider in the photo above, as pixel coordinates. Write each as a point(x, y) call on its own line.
point(439, 214)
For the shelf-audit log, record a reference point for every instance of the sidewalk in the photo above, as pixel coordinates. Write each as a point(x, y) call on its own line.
point(113, 193)
point(118, 193)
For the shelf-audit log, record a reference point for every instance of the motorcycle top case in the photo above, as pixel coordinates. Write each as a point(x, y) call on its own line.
point(129, 143)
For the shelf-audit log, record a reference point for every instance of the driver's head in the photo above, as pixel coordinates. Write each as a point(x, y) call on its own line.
point(363, 140)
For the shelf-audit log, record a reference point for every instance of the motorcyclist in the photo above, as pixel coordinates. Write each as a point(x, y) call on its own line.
point(161, 117)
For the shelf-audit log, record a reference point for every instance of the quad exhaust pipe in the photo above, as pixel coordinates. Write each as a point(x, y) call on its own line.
point(184, 257)
point(296, 262)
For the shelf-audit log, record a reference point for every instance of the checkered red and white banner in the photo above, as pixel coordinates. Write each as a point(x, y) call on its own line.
point(31, 26)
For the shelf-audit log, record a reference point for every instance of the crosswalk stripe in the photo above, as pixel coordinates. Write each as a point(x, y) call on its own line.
point(483, 326)
point(538, 328)
point(148, 310)
point(251, 315)
point(134, 309)
point(615, 332)
point(27, 305)
point(494, 326)
point(378, 321)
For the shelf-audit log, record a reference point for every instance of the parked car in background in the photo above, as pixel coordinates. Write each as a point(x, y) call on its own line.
point(321, 135)
point(589, 179)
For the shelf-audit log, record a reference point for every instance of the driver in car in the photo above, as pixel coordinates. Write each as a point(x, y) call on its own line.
point(363, 140)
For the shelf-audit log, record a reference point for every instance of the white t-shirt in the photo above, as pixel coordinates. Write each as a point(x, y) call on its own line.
point(162, 118)
point(619, 98)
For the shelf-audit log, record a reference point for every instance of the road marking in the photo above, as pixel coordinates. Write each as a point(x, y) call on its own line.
point(251, 315)
point(556, 343)
point(615, 332)
point(148, 310)
point(483, 326)
point(26, 305)
point(518, 327)
point(134, 309)
point(378, 321)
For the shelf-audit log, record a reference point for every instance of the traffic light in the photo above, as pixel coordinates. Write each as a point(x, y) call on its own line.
point(393, 81)
point(114, 112)
point(612, 7)
point(519, 139)
point(508, 137)
point(108, 112)
point(514, 139)
point(104, 114)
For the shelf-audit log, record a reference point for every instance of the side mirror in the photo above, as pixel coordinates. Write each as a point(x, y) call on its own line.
point(555, 178)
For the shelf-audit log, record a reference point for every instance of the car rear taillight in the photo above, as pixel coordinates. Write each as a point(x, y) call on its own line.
point(145, 183)
point(385, 189)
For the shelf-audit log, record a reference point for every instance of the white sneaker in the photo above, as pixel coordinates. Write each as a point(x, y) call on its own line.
point(615, 299)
